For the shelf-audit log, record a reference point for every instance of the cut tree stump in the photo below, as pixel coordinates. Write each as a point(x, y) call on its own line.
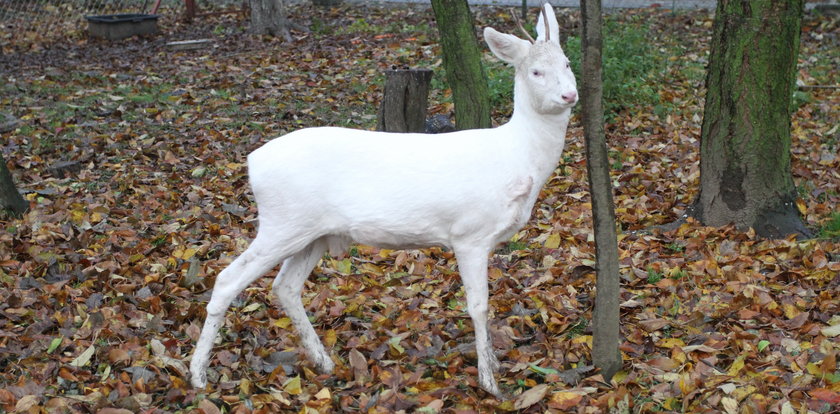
point(404, 103)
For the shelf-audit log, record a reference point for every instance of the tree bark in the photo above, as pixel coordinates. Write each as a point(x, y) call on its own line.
point(270, 17)
point(745, 175)
point(462, 61)
point(11, 202)
point(605, 353)
point(405, 100)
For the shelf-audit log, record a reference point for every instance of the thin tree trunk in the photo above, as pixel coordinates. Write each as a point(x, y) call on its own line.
point(605, 353)
point(462, 61)
point(11, 201)
point(745, 174)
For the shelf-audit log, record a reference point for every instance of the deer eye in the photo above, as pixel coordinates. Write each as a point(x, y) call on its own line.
point(536, 73)
point(567, 65)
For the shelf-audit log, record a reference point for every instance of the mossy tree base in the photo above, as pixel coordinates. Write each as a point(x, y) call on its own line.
point(745, 174)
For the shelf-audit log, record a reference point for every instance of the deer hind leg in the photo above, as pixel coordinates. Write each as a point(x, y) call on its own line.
point(472, 264)
point(265, 252)
point(288, 286)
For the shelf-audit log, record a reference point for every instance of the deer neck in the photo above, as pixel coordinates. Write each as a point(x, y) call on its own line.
point(543, 134)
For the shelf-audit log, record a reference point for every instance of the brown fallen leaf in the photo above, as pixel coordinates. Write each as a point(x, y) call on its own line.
point(208, 407)
point(110, 410)
point(530, 397)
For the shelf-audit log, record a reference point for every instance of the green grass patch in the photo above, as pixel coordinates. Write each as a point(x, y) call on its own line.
point(500, 85)
point(653, 277)
point(831, 228)
point(630, 64)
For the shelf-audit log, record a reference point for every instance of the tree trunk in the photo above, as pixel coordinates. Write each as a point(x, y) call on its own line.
point(605, 353)
point(462, 61)
point(404, 103)
point(745, 175)
point(11, 201)
point(270, 17)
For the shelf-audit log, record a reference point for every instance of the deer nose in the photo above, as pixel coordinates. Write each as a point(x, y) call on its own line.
point(569, 97)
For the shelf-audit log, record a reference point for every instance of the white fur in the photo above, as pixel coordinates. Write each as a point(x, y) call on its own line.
point(322, 188)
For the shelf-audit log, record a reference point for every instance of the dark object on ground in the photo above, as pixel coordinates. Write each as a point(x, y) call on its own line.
point(8, 123)
point(438, 124)
point(327, 3)
point(62, 169)
point(11, 202)
point(120, 26)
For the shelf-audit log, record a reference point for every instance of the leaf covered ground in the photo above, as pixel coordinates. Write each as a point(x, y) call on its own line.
point(132, 158)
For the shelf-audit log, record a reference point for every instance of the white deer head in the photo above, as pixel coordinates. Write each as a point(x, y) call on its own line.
point(544, 80)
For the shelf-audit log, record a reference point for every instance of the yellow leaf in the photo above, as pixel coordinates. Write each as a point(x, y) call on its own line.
point(670, 343)
point(324, 394)
point(736, 366)
point(330, 338)
point(671, 403)
point(292, 386)
point(552, 242)
point(344, 266)
point(813, 369)
point(283, 323)
point(679, 356)
point(619, 376)
point(583, 339)
point(790, 310)
point(686, 384)
point(743, 392)
point(188, 253)
point(800, 205)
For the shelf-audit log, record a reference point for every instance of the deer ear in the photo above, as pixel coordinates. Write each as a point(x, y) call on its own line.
point(547, 15)
point(508, 48)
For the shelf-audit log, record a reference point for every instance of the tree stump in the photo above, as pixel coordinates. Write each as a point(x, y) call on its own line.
point(404, 103)
point(11, 202)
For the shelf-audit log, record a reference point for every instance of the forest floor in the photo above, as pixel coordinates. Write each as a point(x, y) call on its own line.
point(132, 157)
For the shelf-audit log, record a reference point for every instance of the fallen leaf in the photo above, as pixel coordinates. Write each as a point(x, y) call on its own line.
point(208, 407)
point(822, 394)
point(530, 397)
point(293, 386)
point(84, 357)
point(730, 405)
point(564, 400)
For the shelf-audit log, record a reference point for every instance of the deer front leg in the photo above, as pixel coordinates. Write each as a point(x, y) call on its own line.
point(472, 264)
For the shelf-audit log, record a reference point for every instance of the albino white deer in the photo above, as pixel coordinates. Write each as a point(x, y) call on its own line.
point(323, 188)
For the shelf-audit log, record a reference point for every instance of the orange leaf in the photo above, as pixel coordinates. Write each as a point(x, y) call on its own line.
point(826, 395)
point(564, 400)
